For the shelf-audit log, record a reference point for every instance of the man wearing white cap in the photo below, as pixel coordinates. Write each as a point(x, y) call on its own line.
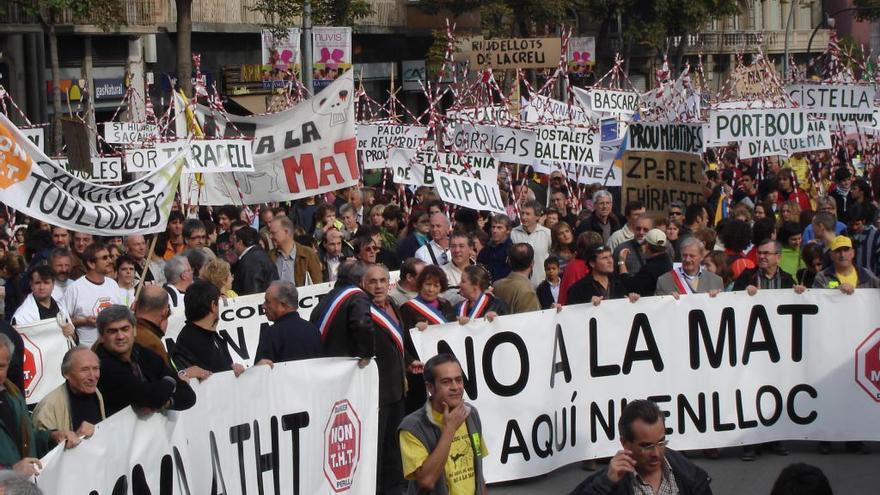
point(657, 262)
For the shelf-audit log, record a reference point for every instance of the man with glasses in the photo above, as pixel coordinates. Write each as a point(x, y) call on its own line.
point(645, 465)
point(90, 294)
point(676, 212)
point(632, 211)
point(767, 275)
point(436, 251)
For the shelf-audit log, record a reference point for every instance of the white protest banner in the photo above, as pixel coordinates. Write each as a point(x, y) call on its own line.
point(243, 318)
point(605, 100)
point(655, 136)
point(129, 132)
point(606, 171)
point(44, 348)
point(565, 144)
point(37, 135)
point(729, 371)
point(468, 192)
point(757, 123)
point(489, 114)
point(141, 160)
point(540, 109)
point(36, 186)
point(841, 99)
point(504, 143)
point(513, 53)
point(305, 150)
point(417, 167)
point(321, 439)
point(211, 156)
point(105, 169)
point(374, 140)
point(818, 138)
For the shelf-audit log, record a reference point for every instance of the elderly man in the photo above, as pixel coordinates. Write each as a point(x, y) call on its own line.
point(394, 358)
point(534, 234)
point(179, 275)
point(295, 263)
point(602, 220)
point(843, 274)
point(436, 251)
point(645, 464)
point(635, 259)
point(60, 263)
point(657, 263)
point(20, 443)
point(136, 248)
point(86, 297)
point(77, 403)
point(132, 375)
point(289, 338)
point(343, 316)
point(690, 278)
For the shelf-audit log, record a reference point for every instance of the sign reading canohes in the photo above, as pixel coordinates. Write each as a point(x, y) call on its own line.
point(374, 140)
point(514, 53)
point(244, 435)
point(818, 138)
point(727, 371)
point(842, 99)
point(658, 179)
point(757, 123)
point(652, 136)
point(129, 132)
point(468, 192)
point(35, 185)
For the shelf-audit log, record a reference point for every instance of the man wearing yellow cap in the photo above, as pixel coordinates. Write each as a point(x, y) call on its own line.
point(844, 274)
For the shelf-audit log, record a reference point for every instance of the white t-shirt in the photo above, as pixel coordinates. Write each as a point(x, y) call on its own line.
point(443, 256)
point(83, 298)
point(540, 242)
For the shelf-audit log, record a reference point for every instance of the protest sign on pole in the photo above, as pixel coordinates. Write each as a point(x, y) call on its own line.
point(44, 348)
point(513, 53)
point(613, 102)
point(105, 169)
point(321, 439)
point(418, 167)
point(841, 99)
point(374, 140)
point(726, 371)
point(656, 136)
point(541, 109)
point(581, 55)
point(129, 132)
point(504, 143)
point(469, 192)
point(141, 160)
point(35, 185)
point(657, 179)
point(757, 123)
point(305, 150)
point(211, 156)
point(331, 53)
point(818, 138)
point(565, 144)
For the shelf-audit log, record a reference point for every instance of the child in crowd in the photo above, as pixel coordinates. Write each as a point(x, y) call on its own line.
point(548, 290)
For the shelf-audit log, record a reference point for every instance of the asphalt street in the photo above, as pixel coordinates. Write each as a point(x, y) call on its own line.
point(850, 474)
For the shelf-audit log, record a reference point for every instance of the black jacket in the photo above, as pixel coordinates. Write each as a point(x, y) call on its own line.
point(495, 305)
point(392, 364)
point(644, 282)
point(350, 331)
point(254, 272)
point(749, 276)
point(545, 295)
point(288, 339)
point(157, 385)
point(690, 479)
point(584, 289)
point(15, 374)
point(592, 224)
point(196, 346)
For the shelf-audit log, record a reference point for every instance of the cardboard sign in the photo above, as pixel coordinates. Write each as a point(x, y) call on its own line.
point(374, 141)
point(469, 192)
point(841, 99)
point(211, 156)
point(129, 132)
point(652, 136)
point(757, 123)
point(658, 179)
point(752, 80)
point(514, 53)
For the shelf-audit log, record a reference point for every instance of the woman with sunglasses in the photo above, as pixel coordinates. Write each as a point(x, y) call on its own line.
point(477, 302)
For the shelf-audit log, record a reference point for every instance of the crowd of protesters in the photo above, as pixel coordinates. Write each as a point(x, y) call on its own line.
point(809, 221)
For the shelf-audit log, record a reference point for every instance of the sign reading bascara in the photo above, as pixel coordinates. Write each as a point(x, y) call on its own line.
point(616, 102)
point(129, 132)
point(468, 192)
point(648, 136)
point(727, 371)
point(374, 140)
point(834, 98)
point(757, 123)
point(35, 185)
point(657, 179)
point(515, 53)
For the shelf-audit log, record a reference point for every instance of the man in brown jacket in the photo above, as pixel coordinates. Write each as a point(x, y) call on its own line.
point(293, 260)
point(515, 289)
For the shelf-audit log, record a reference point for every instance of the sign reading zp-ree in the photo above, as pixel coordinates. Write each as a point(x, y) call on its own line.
point(757, 123)
point(515, 53)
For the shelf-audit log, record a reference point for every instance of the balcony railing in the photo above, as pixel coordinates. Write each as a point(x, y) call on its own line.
point(732, 42)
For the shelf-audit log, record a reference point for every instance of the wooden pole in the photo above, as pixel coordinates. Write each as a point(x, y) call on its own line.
point(137, 291)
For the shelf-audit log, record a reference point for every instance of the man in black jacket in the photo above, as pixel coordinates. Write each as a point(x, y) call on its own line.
point(199, 344)
point(254, 271)
point(343, 316)
point(658, 263)
point(645, 465)
point(601, 283)
point(767, 275)
point(290, 337)
point(132, 375)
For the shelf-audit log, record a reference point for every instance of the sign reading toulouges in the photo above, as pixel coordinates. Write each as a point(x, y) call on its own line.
point(514, 53)
point(657, 179)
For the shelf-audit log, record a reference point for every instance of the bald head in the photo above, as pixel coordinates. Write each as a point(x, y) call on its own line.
point(152, 305)
point(439, 227)
point(136, 246)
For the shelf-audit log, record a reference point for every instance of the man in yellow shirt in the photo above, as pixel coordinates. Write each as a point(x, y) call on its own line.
point(441, 444)
point(843, 274)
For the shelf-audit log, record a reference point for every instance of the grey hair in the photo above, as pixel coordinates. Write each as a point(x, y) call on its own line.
point(602, 193)
point(502, 218)
point(5, 341)
point(347, 207)
point(17, 484)
point(825, 219)
point(286, 293)
point(67, 360)
point(175, 267)
point(351, 272)
point(691, 241)
point(112, 314)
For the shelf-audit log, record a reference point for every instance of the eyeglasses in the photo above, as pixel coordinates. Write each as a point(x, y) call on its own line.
point(674, 213)
point(371, 248)
point(766, 253)
point(647, 447)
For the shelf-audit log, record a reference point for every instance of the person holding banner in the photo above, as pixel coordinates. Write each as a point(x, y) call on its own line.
point(343, 316)
point(601, 283)
point(690, 278)
point(768, 274)
point(76, 404)
point(657, 262)
point(39, 304)
point(289, 338)
point(477, 302)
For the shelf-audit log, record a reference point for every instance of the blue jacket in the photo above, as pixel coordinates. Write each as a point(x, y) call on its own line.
point(494, 258)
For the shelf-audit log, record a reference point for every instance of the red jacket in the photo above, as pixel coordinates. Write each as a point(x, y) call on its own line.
point(798, 195)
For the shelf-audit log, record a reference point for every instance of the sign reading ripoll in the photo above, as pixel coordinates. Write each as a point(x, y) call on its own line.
point(374, 140)
point(212, 156)
point(683, 138)
point(758, 123)
point(818, 138)
point(834, 98)
point(129, 132)
point(617, 102)
point(566, 144)
point(468, 192)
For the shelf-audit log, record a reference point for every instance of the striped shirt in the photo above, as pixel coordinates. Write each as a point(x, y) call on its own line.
point(867, 245)
point(668, 486)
